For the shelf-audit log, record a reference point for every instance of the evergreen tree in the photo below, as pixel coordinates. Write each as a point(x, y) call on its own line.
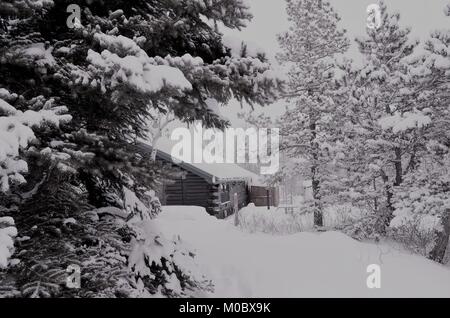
point(20, 121)
point(119, 63)
point(422, 215)
point(308, 49)
point(381, 126)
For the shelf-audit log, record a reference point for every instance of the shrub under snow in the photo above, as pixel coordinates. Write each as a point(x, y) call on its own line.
point(273, 221)
point(278, 221)
point(422, 209)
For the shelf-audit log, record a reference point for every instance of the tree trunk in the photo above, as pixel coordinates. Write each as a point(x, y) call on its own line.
point(439, 251)
point(375, 200)
point(446, 260)
point(389, 210)
point(397, 182)
point(315, 183)
point(318, 215)
point(398, 167)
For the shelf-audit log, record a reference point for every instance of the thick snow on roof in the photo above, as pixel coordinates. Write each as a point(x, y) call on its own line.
point(221, 171)
point(228, 171)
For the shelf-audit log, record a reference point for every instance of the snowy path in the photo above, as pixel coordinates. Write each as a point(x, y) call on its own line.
point(299, 265)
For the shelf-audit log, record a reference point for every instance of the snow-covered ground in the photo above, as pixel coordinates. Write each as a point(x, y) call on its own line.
point(328, 264)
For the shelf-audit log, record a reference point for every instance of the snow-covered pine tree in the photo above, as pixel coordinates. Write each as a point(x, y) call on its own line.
point(21, 121)
point(422, 215)
point(309, 48)
point(119, 62)
point(382, 127)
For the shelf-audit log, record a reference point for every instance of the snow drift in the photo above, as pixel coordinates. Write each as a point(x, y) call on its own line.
point(305, 264)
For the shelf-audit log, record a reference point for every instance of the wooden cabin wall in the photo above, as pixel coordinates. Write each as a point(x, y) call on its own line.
point(258, 196)
point(190, 190)
point(194, 190)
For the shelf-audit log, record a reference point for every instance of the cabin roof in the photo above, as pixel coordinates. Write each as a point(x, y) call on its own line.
point(212, 172)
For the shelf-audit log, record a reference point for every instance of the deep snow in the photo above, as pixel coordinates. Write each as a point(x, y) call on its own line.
point(305, 264)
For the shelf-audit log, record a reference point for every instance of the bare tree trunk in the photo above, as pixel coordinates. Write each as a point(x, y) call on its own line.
point(315, 183)
point(389, 208)
point(318, 217)
point(439, 251)
point(446, 260)
point(388, 188)
point(398, 167)
point(375, 200)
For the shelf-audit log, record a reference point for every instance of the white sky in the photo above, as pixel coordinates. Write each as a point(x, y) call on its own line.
point(270, 19)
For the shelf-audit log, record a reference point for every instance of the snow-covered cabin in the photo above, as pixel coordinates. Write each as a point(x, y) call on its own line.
point(211, 186)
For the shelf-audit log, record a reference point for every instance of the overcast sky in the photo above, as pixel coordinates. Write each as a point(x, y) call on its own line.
point(423, 16)
point(270, 18)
